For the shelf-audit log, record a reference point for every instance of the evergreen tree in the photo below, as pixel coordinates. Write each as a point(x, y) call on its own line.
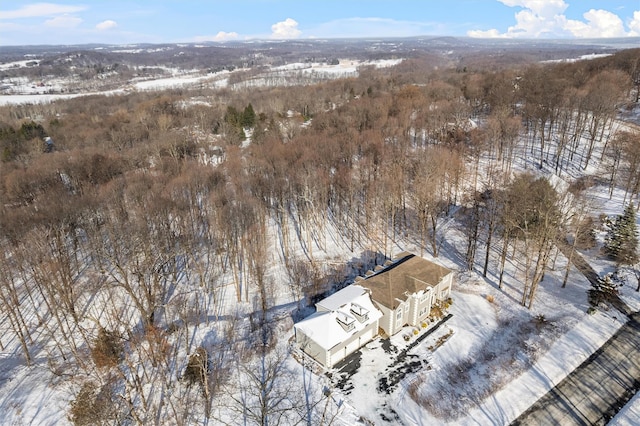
point(621, 243)
point(30, 130)
point(604, 290)
point(248, 116)
point(233, 117)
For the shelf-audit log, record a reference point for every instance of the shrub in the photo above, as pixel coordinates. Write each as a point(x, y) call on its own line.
point(581, 184)
point(107, 350)
point(436, 311)
point(490, 298)
point(198, 367)
point(94, 406)
point(540, 321)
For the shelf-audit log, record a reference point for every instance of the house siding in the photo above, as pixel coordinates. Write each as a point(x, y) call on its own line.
point(444, 287)
point(311, 348)
point(349, 346)
point(386, 322)
point(400, 315)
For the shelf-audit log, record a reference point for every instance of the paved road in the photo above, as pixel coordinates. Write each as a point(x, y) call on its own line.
point(598, 388)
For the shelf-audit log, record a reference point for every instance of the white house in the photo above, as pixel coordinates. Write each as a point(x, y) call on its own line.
point(398, 294)
point(406, 290)
point(342, 324)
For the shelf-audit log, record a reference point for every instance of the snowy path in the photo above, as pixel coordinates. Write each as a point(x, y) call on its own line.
point(589, 273)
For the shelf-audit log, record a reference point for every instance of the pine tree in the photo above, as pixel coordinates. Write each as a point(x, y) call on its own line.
point(621, 243)
point(248, 116)
point(604, 290)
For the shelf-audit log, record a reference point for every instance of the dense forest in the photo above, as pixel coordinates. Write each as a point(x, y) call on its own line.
point(148, 218)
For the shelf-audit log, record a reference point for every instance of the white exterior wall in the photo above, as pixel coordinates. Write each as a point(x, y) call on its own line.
point(413, 310)
point(386, 322)
point(444, 287)
point(426, 305)
point(400, 316)
point(418, 303)
point(349, 346)
point(311, 348)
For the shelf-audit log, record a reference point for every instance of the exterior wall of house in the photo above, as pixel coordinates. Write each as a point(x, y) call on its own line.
point(413, 309)
point(444, 287)
point(311, 348)
point(420, 306)
point(352, 344)
point(400, 316)
point(386, 322)
point(424, 303)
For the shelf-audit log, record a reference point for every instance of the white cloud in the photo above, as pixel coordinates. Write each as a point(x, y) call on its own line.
point(546, 18)
point(634, 25)
point(286, 29)
point(486, 34)
point(221, 36)
point(40, 9)
point(64, 21)
point(600, 23)
point(543, 8)
point(106, 25)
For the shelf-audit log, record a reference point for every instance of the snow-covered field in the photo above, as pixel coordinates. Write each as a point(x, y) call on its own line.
point(23, 91)
point(580, 58)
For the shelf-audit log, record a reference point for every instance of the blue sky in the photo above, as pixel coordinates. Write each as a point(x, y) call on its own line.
point(164, 21)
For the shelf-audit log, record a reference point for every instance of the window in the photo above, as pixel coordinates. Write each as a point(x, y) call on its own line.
point(345, 321)
point(399, 315)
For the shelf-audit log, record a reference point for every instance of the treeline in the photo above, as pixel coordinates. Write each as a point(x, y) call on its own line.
point(125, 227)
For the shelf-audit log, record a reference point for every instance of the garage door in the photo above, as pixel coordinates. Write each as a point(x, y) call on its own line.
point(337, 356)
point(353, 346)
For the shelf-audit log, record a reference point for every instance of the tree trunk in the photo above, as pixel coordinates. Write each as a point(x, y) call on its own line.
point(486, 257)
point(503, 258)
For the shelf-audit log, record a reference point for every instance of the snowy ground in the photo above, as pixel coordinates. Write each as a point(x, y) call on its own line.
point(473, 342)
point(476, 322)
point(477, 334)
point(629, 415)
point(22, 91)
